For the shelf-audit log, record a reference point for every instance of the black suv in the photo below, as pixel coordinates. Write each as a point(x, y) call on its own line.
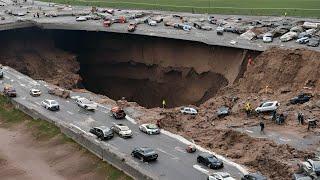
point(144, 154)
point(300, 99)
point(102, 132)
point(210, 160)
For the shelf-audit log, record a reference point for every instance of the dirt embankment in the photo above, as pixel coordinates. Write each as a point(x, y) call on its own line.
point(35, 55)
point(286, 73)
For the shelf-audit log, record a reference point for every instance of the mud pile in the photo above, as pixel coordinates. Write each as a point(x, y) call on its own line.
point(36, 56)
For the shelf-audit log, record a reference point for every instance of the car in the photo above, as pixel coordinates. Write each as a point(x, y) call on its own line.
point(313, 42)
point(132, 27)
point(9, 91)
point(300, 99)
point(186, 27)
point(122, 130)
point(297, 176)
point(267, 38)
point(102, 132)
point(145, 154)
point(118, 113)
point(288, 36)
point(149, 129)
point(220, 176)
point(220, 30)
point(202, 26)
point(223, 111)
point(230, 29)
point(151, 22)
point(304, 34)
point(311, 168)
point(253, 176)
point(267, 106)
point(35, 92)
point(81, 18)
point(302, 40)
point(86, 104)
point(210, 161)
point(188, 110)
point(49, 104)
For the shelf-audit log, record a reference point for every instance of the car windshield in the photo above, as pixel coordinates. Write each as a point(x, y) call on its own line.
point(152, 126)
point(54, 103)
point(316, 165)
point(149, 150)
point(212, 159)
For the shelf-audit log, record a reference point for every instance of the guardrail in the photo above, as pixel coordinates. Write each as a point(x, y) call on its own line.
point(101, 149)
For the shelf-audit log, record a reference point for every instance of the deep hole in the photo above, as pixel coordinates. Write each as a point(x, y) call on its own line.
point(140, 68)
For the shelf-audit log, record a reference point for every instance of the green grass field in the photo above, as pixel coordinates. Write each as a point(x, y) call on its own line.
point(304, 8)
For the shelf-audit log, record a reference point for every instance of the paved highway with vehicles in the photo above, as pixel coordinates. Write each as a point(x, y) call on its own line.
point(173, 162)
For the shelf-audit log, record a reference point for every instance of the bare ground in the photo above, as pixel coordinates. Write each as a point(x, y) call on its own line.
point(24, 157)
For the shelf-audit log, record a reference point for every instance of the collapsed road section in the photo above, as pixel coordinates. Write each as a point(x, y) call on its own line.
point(143, 69)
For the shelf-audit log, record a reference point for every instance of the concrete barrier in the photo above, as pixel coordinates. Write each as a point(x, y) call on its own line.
point(101, 149)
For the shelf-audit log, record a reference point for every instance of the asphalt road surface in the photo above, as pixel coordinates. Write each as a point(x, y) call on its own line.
point(173, 161)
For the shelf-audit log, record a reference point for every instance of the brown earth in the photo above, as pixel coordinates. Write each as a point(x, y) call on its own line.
point(24, 157)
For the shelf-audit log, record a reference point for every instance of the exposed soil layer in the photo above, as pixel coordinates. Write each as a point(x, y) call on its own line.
point(276, 74)
point(141, 69)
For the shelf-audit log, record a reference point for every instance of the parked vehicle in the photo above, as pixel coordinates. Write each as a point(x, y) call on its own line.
point(268, 106)
point(310, 168)
point(253, 176)
point(188, 110)
point(102, 132)
point(202, 26)
point(132, 27)
point(122, 130)
point(118, 113)
point(35, 92)
point(151, 22)
point(220, 176)
point(302, 40)
point(313, 42)
point(149, 129)
point(300, 99)
point(267, 38)
point(210, 161)
point(50, 104)
point(107, 22)
point(144, 154)
point(302, 176)
point(288, 36)
point(223, 111)
point(186, 27)
point(220, 30)
point(82, 18)
point(86, 104)
point(191, 148)
point(9, 91)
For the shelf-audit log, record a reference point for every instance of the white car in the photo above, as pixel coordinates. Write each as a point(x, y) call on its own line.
point(50, 104)
point(152, 22)
point(149, 129)
point(188, 110)
point(82, 18)
point(122, 130)
point(35, 92)
point(267, 106)
point(86, 104)
point(267, 38)
point(220, 176)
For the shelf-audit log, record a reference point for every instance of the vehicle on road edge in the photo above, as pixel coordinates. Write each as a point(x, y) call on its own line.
point(145, 154)
point(49, 104)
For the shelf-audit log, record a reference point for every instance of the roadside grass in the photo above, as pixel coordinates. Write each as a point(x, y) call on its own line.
point(42, 130)
point(300, 8)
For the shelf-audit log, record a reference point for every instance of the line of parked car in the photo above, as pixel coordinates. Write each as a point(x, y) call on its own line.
point(144, 154)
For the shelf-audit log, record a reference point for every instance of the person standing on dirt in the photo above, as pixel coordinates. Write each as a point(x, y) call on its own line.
point(248, 109)
point(261, 126)
point(159, 123)
point(250, 61)
point(300, 118)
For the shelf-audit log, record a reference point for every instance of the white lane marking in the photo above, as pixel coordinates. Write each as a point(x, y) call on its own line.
point(23, 98)
point(104, 107)
point(37, 103)
point(171, 155)
point(105, 112)
point(12, 80)
point(67, 101)
point(6, 77)
point(97, 141)
point(110, 145)
point(130, 119)
point(199, 168)
point(284, 139)
point(185, 141)
point(249, 131)
point(70, 112)
point(23, 85)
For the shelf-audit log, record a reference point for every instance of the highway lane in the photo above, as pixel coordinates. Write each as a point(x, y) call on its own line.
point(173, 162)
